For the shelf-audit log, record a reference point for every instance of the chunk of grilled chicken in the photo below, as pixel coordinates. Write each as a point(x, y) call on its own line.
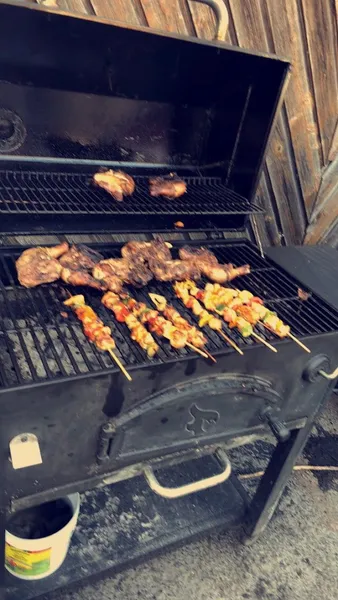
point(169, 188)
point(223, 273)
point(198, 255)
point(174, 270)
point(208, 264)
point(40, 265)
point(136, 274)
point(80, 258)
point(138, 251)
point(81, 278)
point(117, 183)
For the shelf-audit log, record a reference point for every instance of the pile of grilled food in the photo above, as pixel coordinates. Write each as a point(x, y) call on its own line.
point(215, 306)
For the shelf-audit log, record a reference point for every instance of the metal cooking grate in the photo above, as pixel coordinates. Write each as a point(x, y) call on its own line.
point(23, 192)
point(38, 344)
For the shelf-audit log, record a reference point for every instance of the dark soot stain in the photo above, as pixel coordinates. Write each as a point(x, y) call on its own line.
point(322, 450)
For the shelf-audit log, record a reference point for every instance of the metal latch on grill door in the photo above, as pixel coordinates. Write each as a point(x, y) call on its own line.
point(190, 488)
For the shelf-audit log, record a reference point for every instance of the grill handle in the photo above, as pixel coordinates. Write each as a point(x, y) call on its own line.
point(222, 17)
point(332, 375)
point(190, 488)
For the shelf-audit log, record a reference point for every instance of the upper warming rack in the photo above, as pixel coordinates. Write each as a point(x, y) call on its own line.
point(31, 194)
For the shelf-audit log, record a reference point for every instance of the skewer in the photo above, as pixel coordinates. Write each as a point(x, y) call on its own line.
point(290, 335)
point(119, 364)
point(203, 353)
point(263, 341)
point(231, 343)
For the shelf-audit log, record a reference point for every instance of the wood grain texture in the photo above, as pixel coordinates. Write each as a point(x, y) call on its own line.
point(203, 19)
point(287, 38)
point(325, 214)
point(168, 15)
point(321, 40)
point(125, 11)
point(334, 146)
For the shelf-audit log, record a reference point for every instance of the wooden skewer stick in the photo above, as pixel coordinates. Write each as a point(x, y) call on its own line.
point(230, 342)
point(263, 341)
point(198, 350)
point(203, 352)
point(290, 335)
point(120, 365)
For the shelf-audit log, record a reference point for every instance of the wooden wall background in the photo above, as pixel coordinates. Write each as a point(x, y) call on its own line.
point(299, 184)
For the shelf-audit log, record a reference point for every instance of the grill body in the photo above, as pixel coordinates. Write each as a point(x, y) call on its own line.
point(79, 94)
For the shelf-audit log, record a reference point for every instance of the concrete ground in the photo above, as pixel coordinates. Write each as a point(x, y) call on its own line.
point(296, 558)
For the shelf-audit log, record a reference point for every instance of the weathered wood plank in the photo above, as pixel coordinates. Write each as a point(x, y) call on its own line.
point(286, 35)
point(284, 186)
point(252, 32)
point(72, 6)
point(326, 211)
point(321, 38)
point(168, 15)
point(125, 11)
point(269, 233)
point(334, 146)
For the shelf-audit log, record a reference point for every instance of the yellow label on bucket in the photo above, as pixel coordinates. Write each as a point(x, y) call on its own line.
point(27, 562)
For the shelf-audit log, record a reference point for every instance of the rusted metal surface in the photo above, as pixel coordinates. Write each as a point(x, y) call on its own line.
point(298, 187)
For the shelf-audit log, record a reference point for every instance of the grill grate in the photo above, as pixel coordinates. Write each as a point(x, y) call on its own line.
point(38, 344)
point(50, 193)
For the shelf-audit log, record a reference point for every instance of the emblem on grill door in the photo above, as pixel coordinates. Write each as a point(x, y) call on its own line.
point(202, 420)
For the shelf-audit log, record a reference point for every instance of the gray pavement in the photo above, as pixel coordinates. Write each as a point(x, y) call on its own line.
point(295, 559)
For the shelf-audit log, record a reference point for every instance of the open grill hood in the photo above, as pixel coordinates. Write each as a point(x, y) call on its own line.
point(74, 88)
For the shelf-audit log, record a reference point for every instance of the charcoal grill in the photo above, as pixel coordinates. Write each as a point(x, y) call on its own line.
point(205, 111)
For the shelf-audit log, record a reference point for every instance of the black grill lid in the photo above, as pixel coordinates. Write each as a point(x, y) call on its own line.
point(75, 89)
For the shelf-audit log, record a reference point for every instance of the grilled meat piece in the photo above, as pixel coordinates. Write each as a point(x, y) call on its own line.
point(143, 251)
point(198, 255)
point(136, 274)
point(117, 183)
point(169, 188)
point(171, 270)
point(208, 264)
point(119, 267)
point(80, 258)
point(81, 278)
point(223, 273)
point(40, 265)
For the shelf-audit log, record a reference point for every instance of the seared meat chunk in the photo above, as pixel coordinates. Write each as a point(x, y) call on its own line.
point(224, 273)
point(81, 278)
point(129, 272)
point(40, 265)
point(169, 188)
point(142, 251)
point(197, 255)
point(117, 183)
point(80, 258)
point(174, 270)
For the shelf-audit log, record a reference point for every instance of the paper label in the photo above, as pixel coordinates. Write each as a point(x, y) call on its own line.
point(27, 562)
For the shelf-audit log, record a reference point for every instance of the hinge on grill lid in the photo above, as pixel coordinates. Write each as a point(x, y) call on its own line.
point(106, 436)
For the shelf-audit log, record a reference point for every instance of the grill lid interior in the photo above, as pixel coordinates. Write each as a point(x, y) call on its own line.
point(77, 89)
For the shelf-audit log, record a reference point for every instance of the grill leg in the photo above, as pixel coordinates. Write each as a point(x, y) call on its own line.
point(273, 482)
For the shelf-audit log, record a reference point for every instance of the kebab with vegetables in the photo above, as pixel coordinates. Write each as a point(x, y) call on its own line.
point(139, 333)
point(94, 329)
point(247, 306)
point(195, 336)
point(205, 318)
point(193, 296)
point(158, 324)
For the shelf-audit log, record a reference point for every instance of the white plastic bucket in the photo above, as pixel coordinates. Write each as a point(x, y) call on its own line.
point(36, 559)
